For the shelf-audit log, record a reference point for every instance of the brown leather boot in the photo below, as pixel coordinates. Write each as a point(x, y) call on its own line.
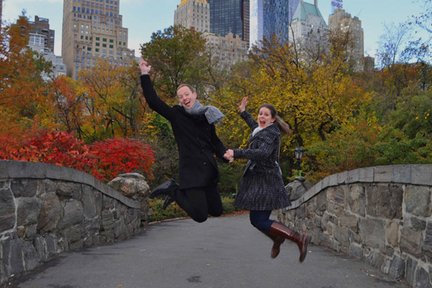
point(279, 230)
point(277, 242)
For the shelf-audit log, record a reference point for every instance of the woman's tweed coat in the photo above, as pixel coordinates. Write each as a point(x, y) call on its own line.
point(261, 186)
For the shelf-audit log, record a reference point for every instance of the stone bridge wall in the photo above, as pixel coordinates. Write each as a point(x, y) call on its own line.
point(46, 210)
point(379, 214)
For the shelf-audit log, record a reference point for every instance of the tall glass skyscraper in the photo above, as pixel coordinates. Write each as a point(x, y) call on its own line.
point(225, 17)
point(256, 22)
point(277, 17)
point(1, 11)
point(271, 17)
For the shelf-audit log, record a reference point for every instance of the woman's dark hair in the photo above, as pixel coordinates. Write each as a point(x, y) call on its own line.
point(281, 123)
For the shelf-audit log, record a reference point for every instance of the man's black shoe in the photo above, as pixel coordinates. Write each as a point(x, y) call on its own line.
point(167, 202)
point(165, 189)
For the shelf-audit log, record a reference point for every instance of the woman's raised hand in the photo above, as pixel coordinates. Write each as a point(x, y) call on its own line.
point(243, 104)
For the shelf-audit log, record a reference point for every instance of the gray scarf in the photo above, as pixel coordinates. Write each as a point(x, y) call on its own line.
point(212, 114)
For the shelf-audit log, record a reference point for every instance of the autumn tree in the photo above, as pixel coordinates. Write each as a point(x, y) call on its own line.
point(314, 98)
point(22, 89)
point(177, 55)
point(69, 99)
point(313, 101)
point(111, 105)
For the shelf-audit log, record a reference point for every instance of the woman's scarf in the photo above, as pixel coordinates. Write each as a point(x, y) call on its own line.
point(256, 130)
point(212, 114)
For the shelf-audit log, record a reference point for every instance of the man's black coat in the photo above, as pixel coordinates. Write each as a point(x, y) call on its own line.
point(196, 139)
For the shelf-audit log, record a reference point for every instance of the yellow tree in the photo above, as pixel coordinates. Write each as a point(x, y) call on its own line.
point(112, 103)
point(315, 98)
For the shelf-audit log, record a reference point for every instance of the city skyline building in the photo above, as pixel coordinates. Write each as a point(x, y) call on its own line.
point(92, 30)
point(41, 40)
point(277, 17)
point(246, 20)
point(341, 21)
point(256, 21)
point(193, 14)
point(226, 17)
point(226, 50)
point(1, 12)
point(309, 30)
point(41, 37)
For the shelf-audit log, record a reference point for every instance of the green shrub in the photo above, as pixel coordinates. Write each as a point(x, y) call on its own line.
point(174, 211)
point(159, 214)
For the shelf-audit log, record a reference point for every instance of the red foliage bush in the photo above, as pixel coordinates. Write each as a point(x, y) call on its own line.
point(104, 159)
point(119, 155)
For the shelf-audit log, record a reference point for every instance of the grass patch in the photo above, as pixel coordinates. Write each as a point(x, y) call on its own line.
point(174, 211)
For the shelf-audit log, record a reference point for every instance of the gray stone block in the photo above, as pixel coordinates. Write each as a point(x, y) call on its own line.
point(427, 245)
point(418, 200)
point(402, 174)
point(27, 170)
point(342, 177)
point(421, 175)
point(397, 268)
point(72, 213)
point(385, 200)
point(410, 240)
point(25, 187)
point(366, 175)
point(356, 199)
point(411, 266)
point(50, 213)
point(28, 209)
point(422, 279)
point(30, 256)
point(383, 174)
point(355, 250)
point(7, 210)
point(12, 256)
point(372, 232)
point(91, 201)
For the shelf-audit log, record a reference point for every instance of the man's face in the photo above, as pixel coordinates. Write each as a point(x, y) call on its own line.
point(186, 97)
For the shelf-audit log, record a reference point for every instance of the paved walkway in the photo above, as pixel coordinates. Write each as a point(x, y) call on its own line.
point(222, 252)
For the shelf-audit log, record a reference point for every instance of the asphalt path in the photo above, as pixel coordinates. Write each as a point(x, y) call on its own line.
point(221, 252)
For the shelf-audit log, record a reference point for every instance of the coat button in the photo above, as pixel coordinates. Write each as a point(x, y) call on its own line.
point(205, 163)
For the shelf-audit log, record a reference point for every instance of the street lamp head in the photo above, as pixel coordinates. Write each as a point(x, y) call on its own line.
point(298, 153)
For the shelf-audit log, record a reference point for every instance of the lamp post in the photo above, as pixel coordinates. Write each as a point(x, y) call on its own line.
point(298, 154)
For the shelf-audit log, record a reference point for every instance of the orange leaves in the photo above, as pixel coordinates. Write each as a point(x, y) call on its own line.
point(104, 160)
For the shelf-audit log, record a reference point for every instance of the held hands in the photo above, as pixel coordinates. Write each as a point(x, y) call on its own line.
point(229, 155)
point(243, 104)
point(144, 67)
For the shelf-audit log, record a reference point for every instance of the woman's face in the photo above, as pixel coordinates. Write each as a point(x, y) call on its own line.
point(186, 97)
point(265, 118)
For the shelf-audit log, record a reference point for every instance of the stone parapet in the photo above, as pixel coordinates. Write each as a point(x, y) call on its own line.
point(379, 214)
point(46, 210)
